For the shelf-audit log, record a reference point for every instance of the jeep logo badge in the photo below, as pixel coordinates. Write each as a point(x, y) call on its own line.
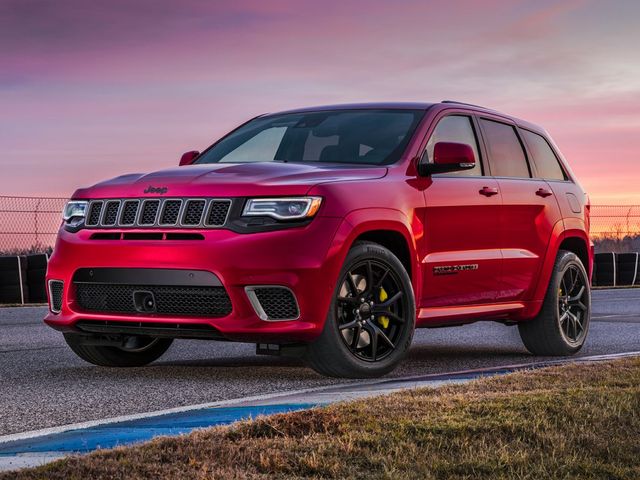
point(159, 190)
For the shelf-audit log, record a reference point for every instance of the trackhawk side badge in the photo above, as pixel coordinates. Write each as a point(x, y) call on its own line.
point(159, 190)
point(454, 269)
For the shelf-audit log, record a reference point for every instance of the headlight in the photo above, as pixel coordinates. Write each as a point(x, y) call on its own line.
point(295, 208)
point(75, 209)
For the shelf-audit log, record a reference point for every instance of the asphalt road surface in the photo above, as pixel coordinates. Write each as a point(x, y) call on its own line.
point(43, 384)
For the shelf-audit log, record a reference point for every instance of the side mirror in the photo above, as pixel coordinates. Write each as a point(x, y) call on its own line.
point(188, 157)
point(449, 157)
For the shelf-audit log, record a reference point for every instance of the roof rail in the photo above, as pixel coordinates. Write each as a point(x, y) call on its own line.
point(463, 103)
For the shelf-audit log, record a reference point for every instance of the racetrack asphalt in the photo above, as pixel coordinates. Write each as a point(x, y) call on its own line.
point(43, 384)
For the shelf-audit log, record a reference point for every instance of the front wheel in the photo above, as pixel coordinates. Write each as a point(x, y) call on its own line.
point(136, 352)
point(563, 322)
point(371, 319)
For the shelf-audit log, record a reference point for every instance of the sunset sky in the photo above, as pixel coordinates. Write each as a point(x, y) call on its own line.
point(90, 90)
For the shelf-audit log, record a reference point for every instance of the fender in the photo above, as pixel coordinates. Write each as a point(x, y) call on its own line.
point(560, 234)
point(361, 221)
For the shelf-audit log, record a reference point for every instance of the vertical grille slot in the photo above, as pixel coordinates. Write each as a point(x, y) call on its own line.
point(56, 287)
point(111, 212)
point(93, 218)
point(170, 212)
point(129, 212)
point(218, 211)
point(193, 212)
point(149, 212)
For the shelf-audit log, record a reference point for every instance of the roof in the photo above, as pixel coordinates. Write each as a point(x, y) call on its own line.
point(361, 106)
point(411, 106)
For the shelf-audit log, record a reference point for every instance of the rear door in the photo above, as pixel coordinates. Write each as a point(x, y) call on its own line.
point(529, 209)
point(462, 261)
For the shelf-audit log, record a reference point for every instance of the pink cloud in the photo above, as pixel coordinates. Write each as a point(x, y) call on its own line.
point(91, 90)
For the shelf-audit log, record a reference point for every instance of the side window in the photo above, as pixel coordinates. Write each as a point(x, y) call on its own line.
point(457, 129)
point(506, 156)
point(547, 164)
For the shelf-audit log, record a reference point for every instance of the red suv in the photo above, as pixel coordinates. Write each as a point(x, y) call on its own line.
point(331, 233)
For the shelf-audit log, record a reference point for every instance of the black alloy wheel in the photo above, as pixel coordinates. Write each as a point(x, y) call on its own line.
point(370, 323)
point(370, 311)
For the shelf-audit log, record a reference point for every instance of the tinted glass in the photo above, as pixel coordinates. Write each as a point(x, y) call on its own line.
point(506, 156)
point(457, 129)
point(547, 164)
point(375, 137)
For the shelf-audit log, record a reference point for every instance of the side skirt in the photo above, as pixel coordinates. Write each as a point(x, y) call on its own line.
point(461, 314)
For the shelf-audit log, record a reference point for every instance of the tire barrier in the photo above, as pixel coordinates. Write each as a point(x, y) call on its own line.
point(604, 269)
point(627, 269)
point(36, 271)
point(22, 278)
point(13, 280)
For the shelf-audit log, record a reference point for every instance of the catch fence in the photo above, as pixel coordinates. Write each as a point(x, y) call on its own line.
point(30, 224)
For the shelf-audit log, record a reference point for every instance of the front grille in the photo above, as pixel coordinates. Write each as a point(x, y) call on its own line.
point(56, 288)
point(169, 300)
point(155, 212)
point(274, 303)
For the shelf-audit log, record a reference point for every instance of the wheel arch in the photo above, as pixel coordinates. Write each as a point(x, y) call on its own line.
point(579, 246)
point(387, 227)
point(573, 240)
point(393, 241)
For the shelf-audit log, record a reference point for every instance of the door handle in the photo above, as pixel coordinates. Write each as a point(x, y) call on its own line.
point(543, 192)
point(488, 191)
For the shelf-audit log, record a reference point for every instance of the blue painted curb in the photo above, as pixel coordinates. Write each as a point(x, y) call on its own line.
point(135, 431)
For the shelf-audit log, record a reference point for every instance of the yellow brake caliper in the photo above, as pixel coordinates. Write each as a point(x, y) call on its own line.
point(383, 320)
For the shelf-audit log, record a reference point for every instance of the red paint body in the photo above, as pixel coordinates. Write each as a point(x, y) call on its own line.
point(502, 225)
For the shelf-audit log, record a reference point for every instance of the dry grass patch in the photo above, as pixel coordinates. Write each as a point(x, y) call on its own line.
point(575, 421)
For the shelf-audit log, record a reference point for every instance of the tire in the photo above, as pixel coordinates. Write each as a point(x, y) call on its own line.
point(346, 347)
point(107, 356)
point(554, 332)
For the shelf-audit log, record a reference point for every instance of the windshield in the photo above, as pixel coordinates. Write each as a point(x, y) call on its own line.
point(370, 137)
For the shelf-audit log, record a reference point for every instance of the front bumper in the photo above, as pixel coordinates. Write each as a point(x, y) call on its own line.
point(303, 260)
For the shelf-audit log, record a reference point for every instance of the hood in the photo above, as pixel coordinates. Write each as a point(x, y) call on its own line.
point(230, 180)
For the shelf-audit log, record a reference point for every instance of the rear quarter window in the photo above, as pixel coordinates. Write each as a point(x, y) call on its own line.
point(545, 160)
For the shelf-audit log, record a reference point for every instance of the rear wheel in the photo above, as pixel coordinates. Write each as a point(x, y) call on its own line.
point(371, 320)
point(137, 351)
point(562, 325)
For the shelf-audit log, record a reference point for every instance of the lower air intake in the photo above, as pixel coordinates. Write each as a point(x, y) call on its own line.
point(167, 300)
point(273, 302)
point(56, 287)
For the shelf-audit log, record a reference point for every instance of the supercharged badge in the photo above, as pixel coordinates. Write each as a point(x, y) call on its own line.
point(453, 269)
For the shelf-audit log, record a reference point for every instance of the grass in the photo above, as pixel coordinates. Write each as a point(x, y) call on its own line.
point(575, 421)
